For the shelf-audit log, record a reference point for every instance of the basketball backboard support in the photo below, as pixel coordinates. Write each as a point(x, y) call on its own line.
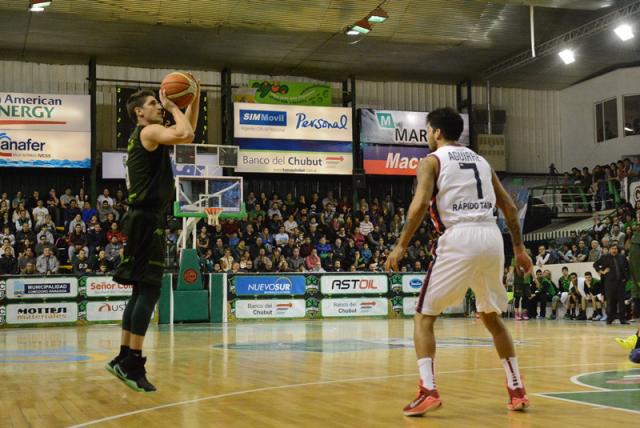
point(203, 159)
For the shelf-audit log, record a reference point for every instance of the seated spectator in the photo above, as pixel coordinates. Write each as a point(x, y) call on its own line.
point(295, 261)
point(81, 264)
point(366, 254)
point(100, 260)
point(65, 199)
point(366, 227)
point(47, 263)
point(323, 248)
point(40, 213)
point(113, 249)
point(358, 237)
point(114, 231)
point(595, 252)
point(282, 265)
point(8, 262)
point(49, 224)
point(105, 198)
point(29, 269)
point(358, 261)
point(290, 224)
point(71, 212)
point(77, 239)
point(22, 220)
point(206, 261)
point(312, 261)
point(77, 220)
point(88, 212)
point(104, 209)
point(42, 244)
point(104, 268)
point(53, 205)
point(583, 252)
point(282, 237)
point(48, 235)
point(6, 244)
point(26, 257)
point(7, 234)
point(96, 240)
point(26, 234)
point(202, 241)
point(227, 260)
point(543, 256)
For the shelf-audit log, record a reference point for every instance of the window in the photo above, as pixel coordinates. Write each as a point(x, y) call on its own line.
point(631, 105)
point(606, 120)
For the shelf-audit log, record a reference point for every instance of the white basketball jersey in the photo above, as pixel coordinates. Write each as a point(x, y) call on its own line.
point(464, 191)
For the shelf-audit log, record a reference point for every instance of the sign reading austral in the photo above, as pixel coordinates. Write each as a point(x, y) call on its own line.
point(269, 285)
point(45, 130)
point(293, 139)
point(399, 127)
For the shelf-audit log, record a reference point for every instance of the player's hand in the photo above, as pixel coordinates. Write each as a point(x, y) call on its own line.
point(523, 262)
point(167, 104)
point(391, 265)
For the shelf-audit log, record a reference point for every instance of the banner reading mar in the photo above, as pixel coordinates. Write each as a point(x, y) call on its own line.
point(45, 130)
point(293, 139)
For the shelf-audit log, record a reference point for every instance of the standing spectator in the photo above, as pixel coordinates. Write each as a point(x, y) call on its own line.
point(614, 273)
point(8, 262)
point(47, 263)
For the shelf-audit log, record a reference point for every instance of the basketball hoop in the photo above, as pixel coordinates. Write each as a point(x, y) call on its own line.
point(213, 215)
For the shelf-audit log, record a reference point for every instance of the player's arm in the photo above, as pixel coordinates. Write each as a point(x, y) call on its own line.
point(154, 135)
point(194, 108)
point(510, 211)
point(426, 177)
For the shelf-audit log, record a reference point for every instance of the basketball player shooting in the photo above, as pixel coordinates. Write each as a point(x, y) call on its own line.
point(151, 189)
point(461, 191)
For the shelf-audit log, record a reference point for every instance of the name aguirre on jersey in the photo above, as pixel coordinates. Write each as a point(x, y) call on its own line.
point(468, 156)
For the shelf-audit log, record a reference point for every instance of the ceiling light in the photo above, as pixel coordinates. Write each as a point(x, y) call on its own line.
point(624, 31)
point(567, 56)
point(38, 5)
point(362, 26)
point(36, 9)
point(378, 16)
point(351, 32)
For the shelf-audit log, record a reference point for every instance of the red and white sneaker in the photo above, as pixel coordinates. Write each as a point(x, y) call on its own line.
point(518, 399)
point(426, 401)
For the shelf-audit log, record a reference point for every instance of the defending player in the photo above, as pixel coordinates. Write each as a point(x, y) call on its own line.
point(151, 188)
point(461, 191)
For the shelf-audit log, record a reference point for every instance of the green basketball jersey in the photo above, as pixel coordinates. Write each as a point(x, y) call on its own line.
point(149, 174)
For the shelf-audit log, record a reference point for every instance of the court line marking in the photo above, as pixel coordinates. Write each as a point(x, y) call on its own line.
point(575, 380)
point(299, 385)
point(599, 406)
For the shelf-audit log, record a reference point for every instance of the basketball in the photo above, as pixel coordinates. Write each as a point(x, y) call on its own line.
point(180, 88)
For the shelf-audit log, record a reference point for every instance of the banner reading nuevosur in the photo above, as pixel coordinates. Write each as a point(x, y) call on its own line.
point(45, 130)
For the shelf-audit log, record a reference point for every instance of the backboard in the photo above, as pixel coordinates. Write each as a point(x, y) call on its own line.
point(204, 159)
point(194, 194)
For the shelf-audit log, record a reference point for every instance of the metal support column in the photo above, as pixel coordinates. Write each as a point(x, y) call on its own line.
point(93, 88)
point(464, 104)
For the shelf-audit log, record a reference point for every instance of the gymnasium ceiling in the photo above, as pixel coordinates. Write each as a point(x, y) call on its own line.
point(423, 40)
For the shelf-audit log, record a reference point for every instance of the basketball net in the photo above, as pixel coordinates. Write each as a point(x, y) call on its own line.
point(213, 215)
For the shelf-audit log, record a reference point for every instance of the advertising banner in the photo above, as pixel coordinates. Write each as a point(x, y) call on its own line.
point(399, 127)
point(106, 311)
point(392, 160)
point(293, 139)
point(270, 285)
point(45, 130)
point(409, 305)
point(275, 92)
point(246, 309)
point(634, 191)
point(292, 122)
point(105, 286)
point(42, 288)
point(354, 284)
point(412, 283)
point(34, 313)
point(114, 166)
point(354, 307)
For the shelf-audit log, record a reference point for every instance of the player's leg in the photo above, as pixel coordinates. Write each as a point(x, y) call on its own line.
point(555, 301)
point(126, 332)
point(621, 305)
point(444, 285)
point(491, 299)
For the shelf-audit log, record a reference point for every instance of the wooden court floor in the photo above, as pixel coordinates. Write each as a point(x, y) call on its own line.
point(332, 373)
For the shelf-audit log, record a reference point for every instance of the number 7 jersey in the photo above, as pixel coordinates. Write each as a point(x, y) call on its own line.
point(463, 190)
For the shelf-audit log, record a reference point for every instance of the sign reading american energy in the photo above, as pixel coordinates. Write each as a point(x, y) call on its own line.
point(293, 139)
point(45, 130)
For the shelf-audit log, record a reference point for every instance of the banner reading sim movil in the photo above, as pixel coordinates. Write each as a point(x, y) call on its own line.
point(45, 130)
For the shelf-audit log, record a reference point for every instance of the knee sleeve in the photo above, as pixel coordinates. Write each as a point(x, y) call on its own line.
point(141, 316)
point(128, 310)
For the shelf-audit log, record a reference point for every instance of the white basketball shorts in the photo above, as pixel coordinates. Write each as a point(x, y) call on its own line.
point(468, 255)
